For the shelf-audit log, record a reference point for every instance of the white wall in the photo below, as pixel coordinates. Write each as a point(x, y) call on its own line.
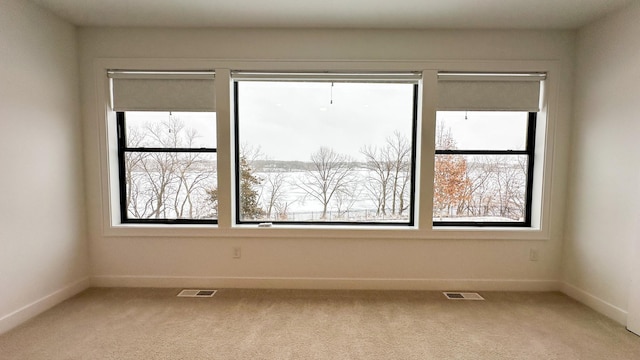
point(604, 208)
point(43, 249)
point(323, 259)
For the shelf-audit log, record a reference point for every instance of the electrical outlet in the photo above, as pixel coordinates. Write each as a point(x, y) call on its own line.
point(237, 252)
point(533, 255)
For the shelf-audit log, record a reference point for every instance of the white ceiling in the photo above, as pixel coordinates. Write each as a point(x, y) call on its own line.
point(400, 14)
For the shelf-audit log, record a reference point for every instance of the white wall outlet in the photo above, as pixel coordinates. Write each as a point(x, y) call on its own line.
point(237, 252)
point(533, 255)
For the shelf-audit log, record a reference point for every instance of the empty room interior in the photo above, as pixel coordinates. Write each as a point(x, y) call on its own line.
point(355, 158)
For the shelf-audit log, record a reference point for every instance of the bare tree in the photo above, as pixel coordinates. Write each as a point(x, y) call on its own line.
point(273, 192)
point(479, 190)
point(282, 210)
point(330, 173)
point(401, 150)
point(167, 184)
point(345, 200)
point(510, 180)
point(191, 178)
point(132, 164)
point(379, 165)
point(496, 187)
point(389, 174)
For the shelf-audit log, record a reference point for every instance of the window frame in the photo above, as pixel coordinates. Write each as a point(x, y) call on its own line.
point(103, 178)
point(123, 149)
point(413, 167)
point(529, 152)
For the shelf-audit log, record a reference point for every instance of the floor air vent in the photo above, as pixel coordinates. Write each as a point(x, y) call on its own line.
point(462, 296)
point(196, 293)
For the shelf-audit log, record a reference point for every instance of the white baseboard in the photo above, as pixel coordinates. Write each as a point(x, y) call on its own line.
point(615, 313)
point(327, 283)
point(17, 317)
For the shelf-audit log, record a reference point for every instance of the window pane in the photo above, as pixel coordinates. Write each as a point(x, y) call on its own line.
point(481, 130)
point(480, 188)
point(322, 151)
point(169, 185)
point(171, 129)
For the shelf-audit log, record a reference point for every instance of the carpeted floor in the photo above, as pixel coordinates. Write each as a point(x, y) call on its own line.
point(295, 324)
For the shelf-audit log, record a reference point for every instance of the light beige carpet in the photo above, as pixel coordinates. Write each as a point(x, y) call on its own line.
point(294, 324)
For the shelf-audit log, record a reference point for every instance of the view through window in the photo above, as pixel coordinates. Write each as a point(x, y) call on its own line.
point(167, 166)
point(325, 151)
point(483, 168)
point(325, 148)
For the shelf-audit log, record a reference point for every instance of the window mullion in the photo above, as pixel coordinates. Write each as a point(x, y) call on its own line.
point(426, 161)
point(224, 147)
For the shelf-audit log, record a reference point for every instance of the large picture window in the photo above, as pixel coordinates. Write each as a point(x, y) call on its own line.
point(325, 148)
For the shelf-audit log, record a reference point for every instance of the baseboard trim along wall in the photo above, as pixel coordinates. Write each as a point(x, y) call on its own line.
point(43, 304)
point(327, 283)
point(615, 313)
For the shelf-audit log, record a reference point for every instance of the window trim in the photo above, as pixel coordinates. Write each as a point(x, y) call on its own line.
point(529, 151)
point(103, 173)
point(327, 77)
point(123, 149)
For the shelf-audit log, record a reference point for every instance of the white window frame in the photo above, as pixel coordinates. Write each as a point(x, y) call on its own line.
point(495, 92)
point(427, 104)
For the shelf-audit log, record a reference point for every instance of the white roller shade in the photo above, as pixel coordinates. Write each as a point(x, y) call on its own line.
point(391, 77)
point(477, 92)
point(162, 91)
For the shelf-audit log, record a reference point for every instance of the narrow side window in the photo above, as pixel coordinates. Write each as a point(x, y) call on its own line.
point(166, 128)
point(485, 149)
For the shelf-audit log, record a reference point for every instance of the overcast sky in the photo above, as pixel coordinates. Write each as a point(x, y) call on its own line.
point(290, 121)
point(482, 130)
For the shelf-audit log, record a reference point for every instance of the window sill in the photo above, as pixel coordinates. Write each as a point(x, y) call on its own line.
point(160, 230)
point(489, 233)
point(330, 232)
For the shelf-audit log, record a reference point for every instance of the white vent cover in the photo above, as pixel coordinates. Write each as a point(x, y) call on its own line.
point(462, 296)
point(197, 293)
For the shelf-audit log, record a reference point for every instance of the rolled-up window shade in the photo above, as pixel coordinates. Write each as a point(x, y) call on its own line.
point(477, 92)
point(162, 91)
point(391, 77)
